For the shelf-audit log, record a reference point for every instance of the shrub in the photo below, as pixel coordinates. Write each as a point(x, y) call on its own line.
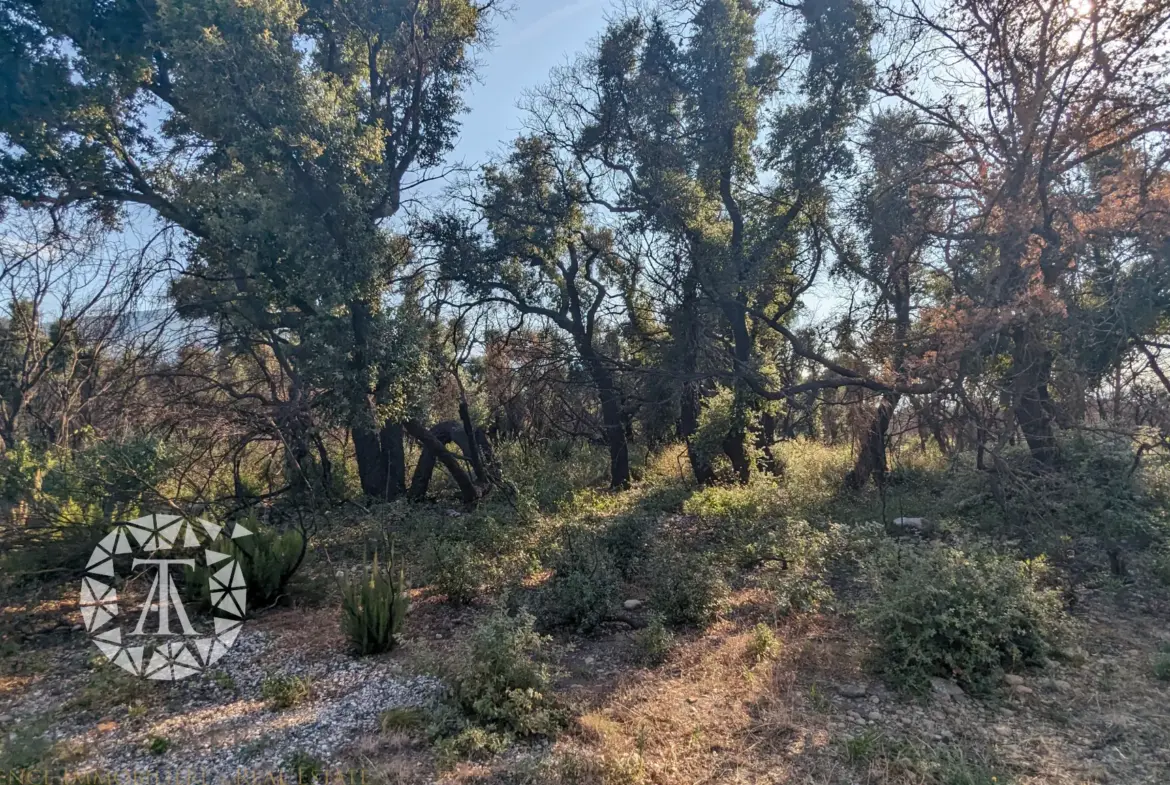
point(307, 767)
point(627, 542)
point(583, 588)
point(1162, 667)
point(1161, 566)
point(456, 570)
point(283, 692)
point(158, 745)
point(653, 643)
point(686, 588)
point(501, 679)
point(269, 559)
point(763, 644)
point(940, 611)
point(373, 609)
point(799, 591)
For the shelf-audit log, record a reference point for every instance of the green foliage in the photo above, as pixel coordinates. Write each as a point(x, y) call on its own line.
point(583, 589)
point(1162, 666)
point(763, 644)
point(373, 608)
point(158, 745)
point(402, 719)
point(967, 615)
point(456, 569)
point(306, 767)
point(284, 692)
point(269, 559)
point(685, 588)
point(717, 417)
point(501, 680)
point(1161, 565)
point(653, 643)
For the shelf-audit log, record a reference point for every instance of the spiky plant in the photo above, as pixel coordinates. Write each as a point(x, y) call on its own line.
point(373, 608)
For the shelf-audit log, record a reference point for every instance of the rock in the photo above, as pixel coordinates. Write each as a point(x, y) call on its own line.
point(853, 690)
point(1020, 689)
point(5, 719)
point(633, 605)
point(946, 687)
point(875, 716)
point(1013, 680)
point(917, 524)
point(1002, 730)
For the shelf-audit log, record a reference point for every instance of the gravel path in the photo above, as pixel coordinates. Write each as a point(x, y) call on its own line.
point(216, 725)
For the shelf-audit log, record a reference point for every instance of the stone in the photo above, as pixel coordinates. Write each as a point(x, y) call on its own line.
point(875, 716)
point(1021, 689)
point(853, 690)
point(946, 687)
point(1013, 680)
point(1003, 730)
point(633, 605)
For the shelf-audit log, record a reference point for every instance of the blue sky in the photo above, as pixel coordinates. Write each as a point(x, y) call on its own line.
point(535, 37)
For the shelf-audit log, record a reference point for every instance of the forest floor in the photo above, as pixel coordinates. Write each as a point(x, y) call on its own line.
point(711, 713)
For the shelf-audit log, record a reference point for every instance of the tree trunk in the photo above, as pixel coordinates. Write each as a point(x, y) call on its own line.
point(871, 459)
point(1031, 369)
point(431, 444)
point(381, 461)
point(734, 443)
point(691, 403)
point(611, 417)
point(472, 442)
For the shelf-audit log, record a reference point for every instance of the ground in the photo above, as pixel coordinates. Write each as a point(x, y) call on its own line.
point(809, 712)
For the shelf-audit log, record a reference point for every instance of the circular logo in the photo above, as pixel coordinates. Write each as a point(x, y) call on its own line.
point(164, 643)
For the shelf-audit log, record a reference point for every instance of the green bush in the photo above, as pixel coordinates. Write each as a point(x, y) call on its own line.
point(283, 692)
point(373, 608)
point(501, 679)
point(686, 588)
point(456, 570)
point(940, 611)
point(653, 643)
point(269, 559)
point(583, 589)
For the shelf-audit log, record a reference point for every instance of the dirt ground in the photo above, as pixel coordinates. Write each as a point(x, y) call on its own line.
point(709, 714)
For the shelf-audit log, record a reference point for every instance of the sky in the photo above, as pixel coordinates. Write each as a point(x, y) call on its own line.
point(535, 37)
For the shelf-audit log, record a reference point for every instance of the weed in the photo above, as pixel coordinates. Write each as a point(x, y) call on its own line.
point(308, 768)
point(864, 747)
point(283, 692)
point(763, 644)
point(223, 680)
point(402, 719)
point(158, 745)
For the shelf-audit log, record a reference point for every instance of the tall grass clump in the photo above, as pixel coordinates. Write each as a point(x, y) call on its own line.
point(373, 607)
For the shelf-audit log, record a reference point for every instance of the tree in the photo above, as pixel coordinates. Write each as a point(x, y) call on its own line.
point(676, 121)
point(538, 256)
point(282, 138)
point(1036, 96)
